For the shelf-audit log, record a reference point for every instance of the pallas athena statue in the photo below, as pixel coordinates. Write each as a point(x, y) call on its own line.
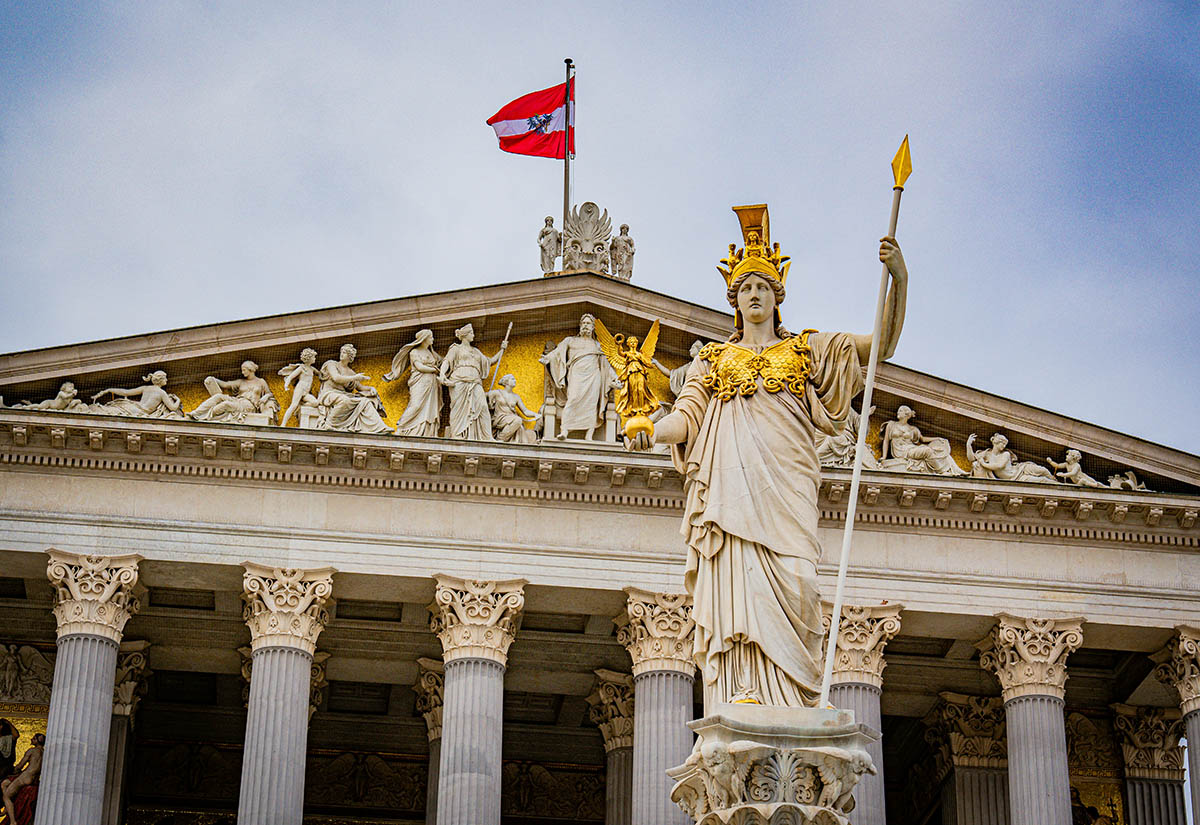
point(743, 433)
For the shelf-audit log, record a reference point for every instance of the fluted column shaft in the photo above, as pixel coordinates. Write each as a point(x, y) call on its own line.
point(869, 801)
point(618, 787)
point(272, 791)
point(1191, 724)
point(1155, 802)
point(431, 786)
point(1038, 784)
point(77, 731)
point(975, 796)
point(118, 760)
point(472, 720)
point(661, 740)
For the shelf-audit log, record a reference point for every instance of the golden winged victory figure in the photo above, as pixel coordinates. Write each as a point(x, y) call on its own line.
point(634, 400)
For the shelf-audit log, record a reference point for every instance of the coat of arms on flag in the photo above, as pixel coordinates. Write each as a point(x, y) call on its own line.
point(537, 123)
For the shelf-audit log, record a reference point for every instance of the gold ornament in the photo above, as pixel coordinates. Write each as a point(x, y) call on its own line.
point(736, 370)
point(758, 255)
point(634, 399)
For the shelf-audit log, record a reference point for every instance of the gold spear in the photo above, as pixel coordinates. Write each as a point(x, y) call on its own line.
point(901, 169)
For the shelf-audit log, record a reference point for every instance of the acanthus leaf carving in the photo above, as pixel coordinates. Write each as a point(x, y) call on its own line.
point(1150, 741)
point(1029, 655)
point(657, 629)
point(133, 666)
point(93, 594)
point(286, 607)
point(970, 729)
point(863, 633)
point(1178, 665)
point(476, 619)
point(611, 708)
point(431, 693)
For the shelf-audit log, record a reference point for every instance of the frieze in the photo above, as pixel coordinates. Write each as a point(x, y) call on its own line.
point(26, 674)
point(564, 792)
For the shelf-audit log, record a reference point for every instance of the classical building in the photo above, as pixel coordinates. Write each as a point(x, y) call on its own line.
point(480, 620)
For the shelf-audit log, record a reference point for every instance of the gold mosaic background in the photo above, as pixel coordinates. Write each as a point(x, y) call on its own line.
point(27, 719)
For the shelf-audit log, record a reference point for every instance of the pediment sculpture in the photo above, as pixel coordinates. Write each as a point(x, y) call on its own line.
point(26, 674)
point(588, 232)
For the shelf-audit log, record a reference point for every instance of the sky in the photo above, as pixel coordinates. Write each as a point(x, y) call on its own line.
point(170, 164)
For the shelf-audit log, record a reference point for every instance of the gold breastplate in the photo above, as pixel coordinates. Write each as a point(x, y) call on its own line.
point(735, 370)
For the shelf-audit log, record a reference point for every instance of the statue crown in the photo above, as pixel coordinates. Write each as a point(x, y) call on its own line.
point(757, 254)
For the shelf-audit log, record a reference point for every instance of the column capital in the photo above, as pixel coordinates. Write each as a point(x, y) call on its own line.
point(657, 630)
point(286, 607)
point(971, 730)
point(611, 702)
point(863, 633)
point(133, 662)
point(93, 594)
point(1029, 655)
point(1150, 741)
point(1179, 666)
point(431, 694)
point(476, 619)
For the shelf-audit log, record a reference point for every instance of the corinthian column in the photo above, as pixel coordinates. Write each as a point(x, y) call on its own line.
point(476, 622)
point(857, 684)
point(657, 630)
point(430, 689)
point(970, 732)
point(1153, 764)
point(285, 610)
point(611, 703)
point(1179, 667)
point(93, 599)
point(132, 670)
point(1029, 658)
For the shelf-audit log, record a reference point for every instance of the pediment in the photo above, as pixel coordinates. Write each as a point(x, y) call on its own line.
point(542, 312)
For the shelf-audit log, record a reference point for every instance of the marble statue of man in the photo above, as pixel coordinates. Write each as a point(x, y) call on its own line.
point(743, 437)
point(578, 366)
point(549, 242)
point(621, 250)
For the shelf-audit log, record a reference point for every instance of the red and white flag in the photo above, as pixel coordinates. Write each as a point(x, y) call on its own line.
point(537, 123)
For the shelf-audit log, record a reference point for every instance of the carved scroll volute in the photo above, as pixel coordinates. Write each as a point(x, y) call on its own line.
point(611, 702)
point(1150, 741)
point(286, 607)
point(430, 688)
point(476, 619)
point(1029, 655)
point(657, 629)
point(93, 594)
point(971, 729)
point(1179, 666)
point(863, 633)
point(133, 661)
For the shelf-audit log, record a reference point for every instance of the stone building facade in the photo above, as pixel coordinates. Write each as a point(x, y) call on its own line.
point(221, 622)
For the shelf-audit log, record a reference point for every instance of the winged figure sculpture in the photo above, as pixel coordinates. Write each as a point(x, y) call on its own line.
point(632, 364)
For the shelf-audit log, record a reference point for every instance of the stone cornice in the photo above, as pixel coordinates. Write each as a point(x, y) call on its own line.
point(1150, 741)
point(430, 688)
point(130, 685)
point(1178, 665)
point(476, 619)
point(93, 594)
point(1029, 655)
point(286, 607)
point(611, 708)
point(863, 633)
point(971, 729)
point(657, 629)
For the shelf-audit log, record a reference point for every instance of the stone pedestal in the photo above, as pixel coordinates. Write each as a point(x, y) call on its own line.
point(1179, 667)
point(863, 633)
point(132, 670)
point(656, 629)
point(286, 610)
point(93, 600)
point(430, 689)
point(969, 733)
point(1028, 656)
point(1153, 764)
point(612, 709)
point(476, 622)
point(761, 765)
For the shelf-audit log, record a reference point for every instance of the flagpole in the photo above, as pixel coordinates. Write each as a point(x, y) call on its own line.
point(566, 160)
point(901, 167)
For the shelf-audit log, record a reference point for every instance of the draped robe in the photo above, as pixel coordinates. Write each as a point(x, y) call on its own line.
point(751, 479)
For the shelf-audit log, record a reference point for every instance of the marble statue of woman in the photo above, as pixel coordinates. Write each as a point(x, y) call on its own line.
point(346, 402)
point(1000, 462)
point(463, 371)
point(578, 367)
point(549, 242)
point(838, 450)
point(424, 411)
point(743, 434)
point(305, 375)
point(621, 250)
point(231, 401)
point(509, 413)
point(153, 401)
point(906, 450)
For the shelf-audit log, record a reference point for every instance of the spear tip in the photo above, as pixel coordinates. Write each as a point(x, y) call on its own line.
point(902, 164)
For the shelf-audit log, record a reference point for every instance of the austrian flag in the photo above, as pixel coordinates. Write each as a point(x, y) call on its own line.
point(536, 123)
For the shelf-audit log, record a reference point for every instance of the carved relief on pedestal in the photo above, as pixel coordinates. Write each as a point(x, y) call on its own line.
point(1029, 655)
point(863, 633)
point(317, 681)
point(970, 730)
point(611, 702)
point(93, 594)
point(26, 675)
point(476, 619)
point(1150, 742)
point(286, 607)
point(1179, 666)
point(657, 629)
point(430, 688)
point(130, 684)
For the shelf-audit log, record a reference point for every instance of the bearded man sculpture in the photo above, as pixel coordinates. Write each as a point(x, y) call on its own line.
point(743, 433)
